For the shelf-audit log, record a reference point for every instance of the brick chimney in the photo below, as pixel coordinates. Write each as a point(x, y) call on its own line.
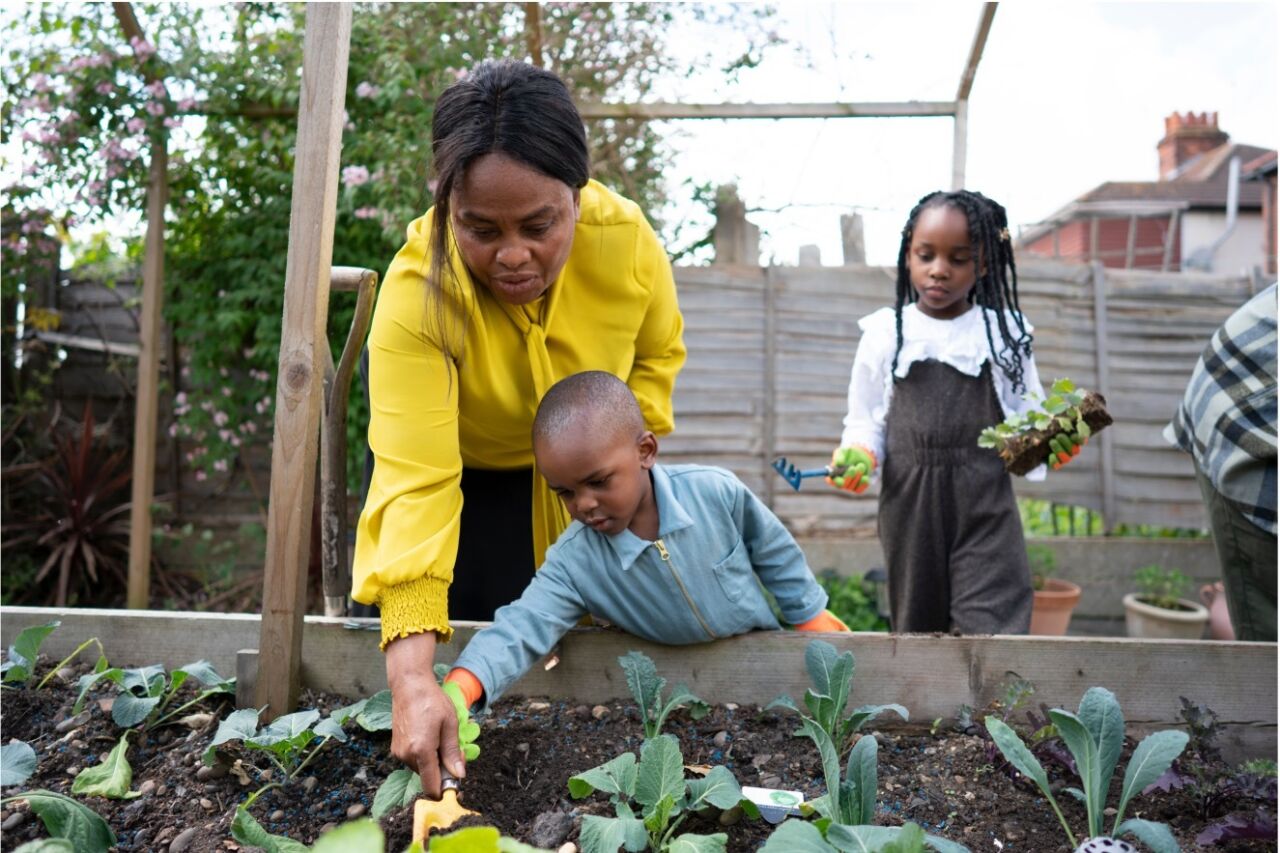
point(1187, 136)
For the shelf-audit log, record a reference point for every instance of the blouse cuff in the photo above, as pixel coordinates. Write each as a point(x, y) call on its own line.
point(415, 607)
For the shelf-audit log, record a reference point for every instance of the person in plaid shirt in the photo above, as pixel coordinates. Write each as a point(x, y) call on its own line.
point(1227, 422)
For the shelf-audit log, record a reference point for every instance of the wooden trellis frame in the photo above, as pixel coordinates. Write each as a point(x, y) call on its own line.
point(299, 392)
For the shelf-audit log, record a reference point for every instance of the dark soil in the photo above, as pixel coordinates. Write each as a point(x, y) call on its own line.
point(946, 781)
point(1026, 451)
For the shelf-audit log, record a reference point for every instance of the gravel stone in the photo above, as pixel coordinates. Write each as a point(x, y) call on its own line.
point(355, 810)
point(148, 787)
point(277, 815)
point(721, 738)
point(309, 784)
point(205, 774)
point(72, 722)
point(13, 821)
point(599, 712)
point(550, 829)
point(183, 841)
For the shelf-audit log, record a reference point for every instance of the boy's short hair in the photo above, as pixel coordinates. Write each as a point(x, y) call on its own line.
point(595, 396)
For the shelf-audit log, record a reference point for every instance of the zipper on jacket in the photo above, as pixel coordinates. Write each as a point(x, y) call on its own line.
point(666, 558)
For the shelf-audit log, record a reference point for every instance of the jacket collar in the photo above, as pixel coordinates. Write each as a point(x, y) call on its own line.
point(627, 546)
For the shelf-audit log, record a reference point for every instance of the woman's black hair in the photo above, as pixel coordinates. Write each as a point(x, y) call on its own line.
point(996, 283)
point(500, 107)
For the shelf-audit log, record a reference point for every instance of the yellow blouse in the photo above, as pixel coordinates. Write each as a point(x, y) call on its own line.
point(612, 308)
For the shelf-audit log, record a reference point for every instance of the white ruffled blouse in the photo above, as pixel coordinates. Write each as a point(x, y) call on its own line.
point(961, 343)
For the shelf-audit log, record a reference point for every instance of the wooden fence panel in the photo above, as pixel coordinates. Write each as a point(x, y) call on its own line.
point(747, 396)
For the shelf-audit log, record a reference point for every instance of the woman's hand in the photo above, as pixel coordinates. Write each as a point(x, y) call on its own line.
point(424, 727)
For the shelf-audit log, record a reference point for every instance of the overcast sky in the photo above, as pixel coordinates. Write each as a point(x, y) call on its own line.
point(1067, 95)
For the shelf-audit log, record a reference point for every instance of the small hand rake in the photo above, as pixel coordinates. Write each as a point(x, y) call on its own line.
point(794, 475)
point(438, 814)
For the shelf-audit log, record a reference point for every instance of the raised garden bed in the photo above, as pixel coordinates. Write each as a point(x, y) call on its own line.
point(929, 772)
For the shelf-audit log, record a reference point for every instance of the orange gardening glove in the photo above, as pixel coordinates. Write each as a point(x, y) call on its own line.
point(856, 464)
point(1064, 447)
point(472, 689)
point(824, 621)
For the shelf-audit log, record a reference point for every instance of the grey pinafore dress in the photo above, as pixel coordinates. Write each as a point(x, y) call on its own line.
point(948, 522)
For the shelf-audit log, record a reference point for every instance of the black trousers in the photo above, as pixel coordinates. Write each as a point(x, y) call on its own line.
point(495, 547)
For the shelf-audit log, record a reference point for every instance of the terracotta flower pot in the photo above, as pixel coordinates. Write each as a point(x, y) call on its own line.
point(1157, 623)
point(1052, 607)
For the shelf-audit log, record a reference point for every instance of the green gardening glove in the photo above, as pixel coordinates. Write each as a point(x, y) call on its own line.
point(851, 468)
point(467, 730)
point(1063, 448)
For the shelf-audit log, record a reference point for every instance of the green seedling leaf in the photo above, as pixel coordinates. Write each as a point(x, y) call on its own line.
point(616, 776)
point(1100, 715)
point(66, 818)
point(718, 788)
point(328, 727)
point(47, 845)
point(129, 710)
point(693, 843)
point(661, 771)
point(375, 716)
point(17, 763)
point(1055, 405)
point(239, 725)
point(249, 832)
point(348, 712)
point(295, 729)
point(1152, 757)
point(607, 834)
point(476, 839)
point(795, 836)
point(1154, 835)
point(21, 664)
point(863, 713)
point(204, 672)
point(1082, 429)
point(1085, 751)
point(861, 772)
point(358, 836)
point(144, 681)
point(658, 816)
point(86, 682)
point(400, 789)
point(111, 778)
point(1062, 386)
point(829, 805)
point(1017, 754)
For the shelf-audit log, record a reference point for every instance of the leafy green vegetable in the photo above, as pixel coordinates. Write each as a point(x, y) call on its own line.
point(399, 789)
point(145, 693)
point(1094, 735)
point(111, 778)
point(21, 664)
point(66, 818)
point(652, 799)
point(468, 730)
point(17, 763)
point(831, 674)
point(646, 686)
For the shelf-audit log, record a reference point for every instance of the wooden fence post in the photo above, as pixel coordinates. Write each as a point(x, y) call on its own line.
point(299, 391)
point(1106, 438)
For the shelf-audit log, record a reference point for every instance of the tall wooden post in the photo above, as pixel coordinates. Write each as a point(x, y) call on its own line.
point(138, 591)
point(146, 402)
point(299, 390)
point(533, 32)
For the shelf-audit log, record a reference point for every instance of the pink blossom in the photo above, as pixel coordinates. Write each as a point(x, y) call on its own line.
point(180, 398)
point(156, 108)
point(355, 176)
point(220, 418)
point(172, 123)
point(156, 89)
point(142, 48)
point(201, 476)
point(225, 434)
point(136, 124)
point(234, 441)
point(104, 88)
point(431, 186)
point(173, 430)
point(366, 212)
point(367, 90)
point(40, 83)
point(220, 465)
point(222, 371)
point(186, 105)
point(49, 137)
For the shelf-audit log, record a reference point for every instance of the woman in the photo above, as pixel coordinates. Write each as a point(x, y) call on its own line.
point(546, 273)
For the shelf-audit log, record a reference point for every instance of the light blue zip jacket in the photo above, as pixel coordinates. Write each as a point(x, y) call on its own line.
point(700, 580)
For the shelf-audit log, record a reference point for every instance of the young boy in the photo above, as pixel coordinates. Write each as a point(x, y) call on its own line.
point(670, 554)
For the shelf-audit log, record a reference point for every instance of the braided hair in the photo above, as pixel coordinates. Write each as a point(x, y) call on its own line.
point(996, 281)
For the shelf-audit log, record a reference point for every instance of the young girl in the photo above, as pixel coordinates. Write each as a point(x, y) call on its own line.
point(952, 357)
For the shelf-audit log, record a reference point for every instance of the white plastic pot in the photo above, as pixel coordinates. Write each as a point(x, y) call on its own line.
point(1148, 622)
